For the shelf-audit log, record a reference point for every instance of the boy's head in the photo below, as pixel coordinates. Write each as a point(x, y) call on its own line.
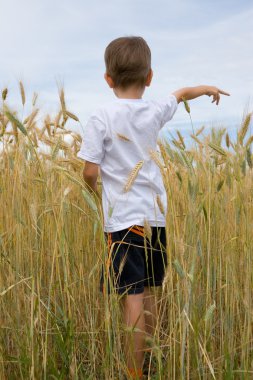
point(128, 62)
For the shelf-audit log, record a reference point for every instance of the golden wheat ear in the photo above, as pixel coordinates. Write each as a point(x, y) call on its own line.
point(34, 99)
point(132, 176)
point(30, 120)
point(244, 128)
point(194, 137)
point(4, 93)
point(160, 204)
point(72, 115)
point(147, 230)
point(22, 92)
point(123, 137)
point(155, 157)
point(181, 139)
point(200, 130)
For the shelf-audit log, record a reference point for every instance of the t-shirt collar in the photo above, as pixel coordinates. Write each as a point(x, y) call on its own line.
point(129, 100)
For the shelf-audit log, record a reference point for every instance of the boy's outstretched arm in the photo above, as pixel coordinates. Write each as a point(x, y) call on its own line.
point(188, 93)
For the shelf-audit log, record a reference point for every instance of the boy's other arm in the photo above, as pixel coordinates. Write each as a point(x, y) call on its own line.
point(90, 175)
point(188, 93)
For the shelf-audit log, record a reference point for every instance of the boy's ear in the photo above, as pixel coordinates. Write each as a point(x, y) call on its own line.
point(149, 78)
point(109, 80)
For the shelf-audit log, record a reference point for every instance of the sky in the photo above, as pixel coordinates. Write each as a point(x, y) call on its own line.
point(193, 42)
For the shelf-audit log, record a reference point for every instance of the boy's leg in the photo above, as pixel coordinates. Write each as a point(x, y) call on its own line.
point(150, 305)
point(126, 262)
point(156, 263)
point(151, 319)
point(134, 318)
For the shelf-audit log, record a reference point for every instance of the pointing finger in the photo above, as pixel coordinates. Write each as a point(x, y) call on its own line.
point(223, 92)
point(218, 99)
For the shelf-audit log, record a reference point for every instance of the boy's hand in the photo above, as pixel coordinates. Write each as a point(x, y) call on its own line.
point(189, 93)
point(215, 93)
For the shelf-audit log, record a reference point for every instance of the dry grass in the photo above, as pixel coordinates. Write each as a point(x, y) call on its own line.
point(54, 322)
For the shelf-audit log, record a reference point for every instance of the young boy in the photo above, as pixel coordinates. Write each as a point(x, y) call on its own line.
point(118, 139)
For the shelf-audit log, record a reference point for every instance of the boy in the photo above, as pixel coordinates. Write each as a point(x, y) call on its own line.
point(118, 139)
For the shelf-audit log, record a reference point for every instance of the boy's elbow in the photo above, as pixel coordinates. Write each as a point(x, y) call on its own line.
point(181, 94)
point(90, 174)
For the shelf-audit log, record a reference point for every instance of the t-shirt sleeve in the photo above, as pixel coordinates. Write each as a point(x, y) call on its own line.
point(92, 147)
point(167, 107)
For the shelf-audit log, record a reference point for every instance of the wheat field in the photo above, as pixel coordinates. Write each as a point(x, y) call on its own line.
point(54, 323)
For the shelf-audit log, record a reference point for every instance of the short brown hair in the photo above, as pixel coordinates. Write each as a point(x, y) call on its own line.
point(128, 61)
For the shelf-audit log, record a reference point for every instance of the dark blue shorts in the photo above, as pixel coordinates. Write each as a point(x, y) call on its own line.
point(133, 261)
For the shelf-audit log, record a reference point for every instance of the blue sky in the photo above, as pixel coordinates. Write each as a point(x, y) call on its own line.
point(192, 42)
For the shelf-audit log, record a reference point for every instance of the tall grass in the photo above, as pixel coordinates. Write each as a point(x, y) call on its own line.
point(55, 324)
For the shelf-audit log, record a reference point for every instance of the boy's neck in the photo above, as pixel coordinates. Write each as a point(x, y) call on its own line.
point(129, 93)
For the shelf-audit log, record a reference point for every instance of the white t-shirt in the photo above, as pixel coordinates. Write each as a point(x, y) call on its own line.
point(119, 136)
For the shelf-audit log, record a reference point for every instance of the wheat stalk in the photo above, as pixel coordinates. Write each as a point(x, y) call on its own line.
point(227, 140)
point(4, 93)
point(47, 123)
point(30, 119)
point(62, 145)
point(153, 154)
point(132, 176)
point(249, 141)
point(186, 105)
point(123, 137)
point(34, 139)
point(15, 123)
point(72, 116)
point(35, 97)
point(200, 130)
point(181, 138)
point(57, 119)
point(194, 137)
point(63, 106)
point(178, 144)
point(244, 128)
point(22, 92)
point(218, 149)
point(159, 203)
point(147, 229)
point(123, 260)
point(4, 121)
point(63, 132)
point(62, 100)
point(42, 131)
point(164, 153)
point(76, 137)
